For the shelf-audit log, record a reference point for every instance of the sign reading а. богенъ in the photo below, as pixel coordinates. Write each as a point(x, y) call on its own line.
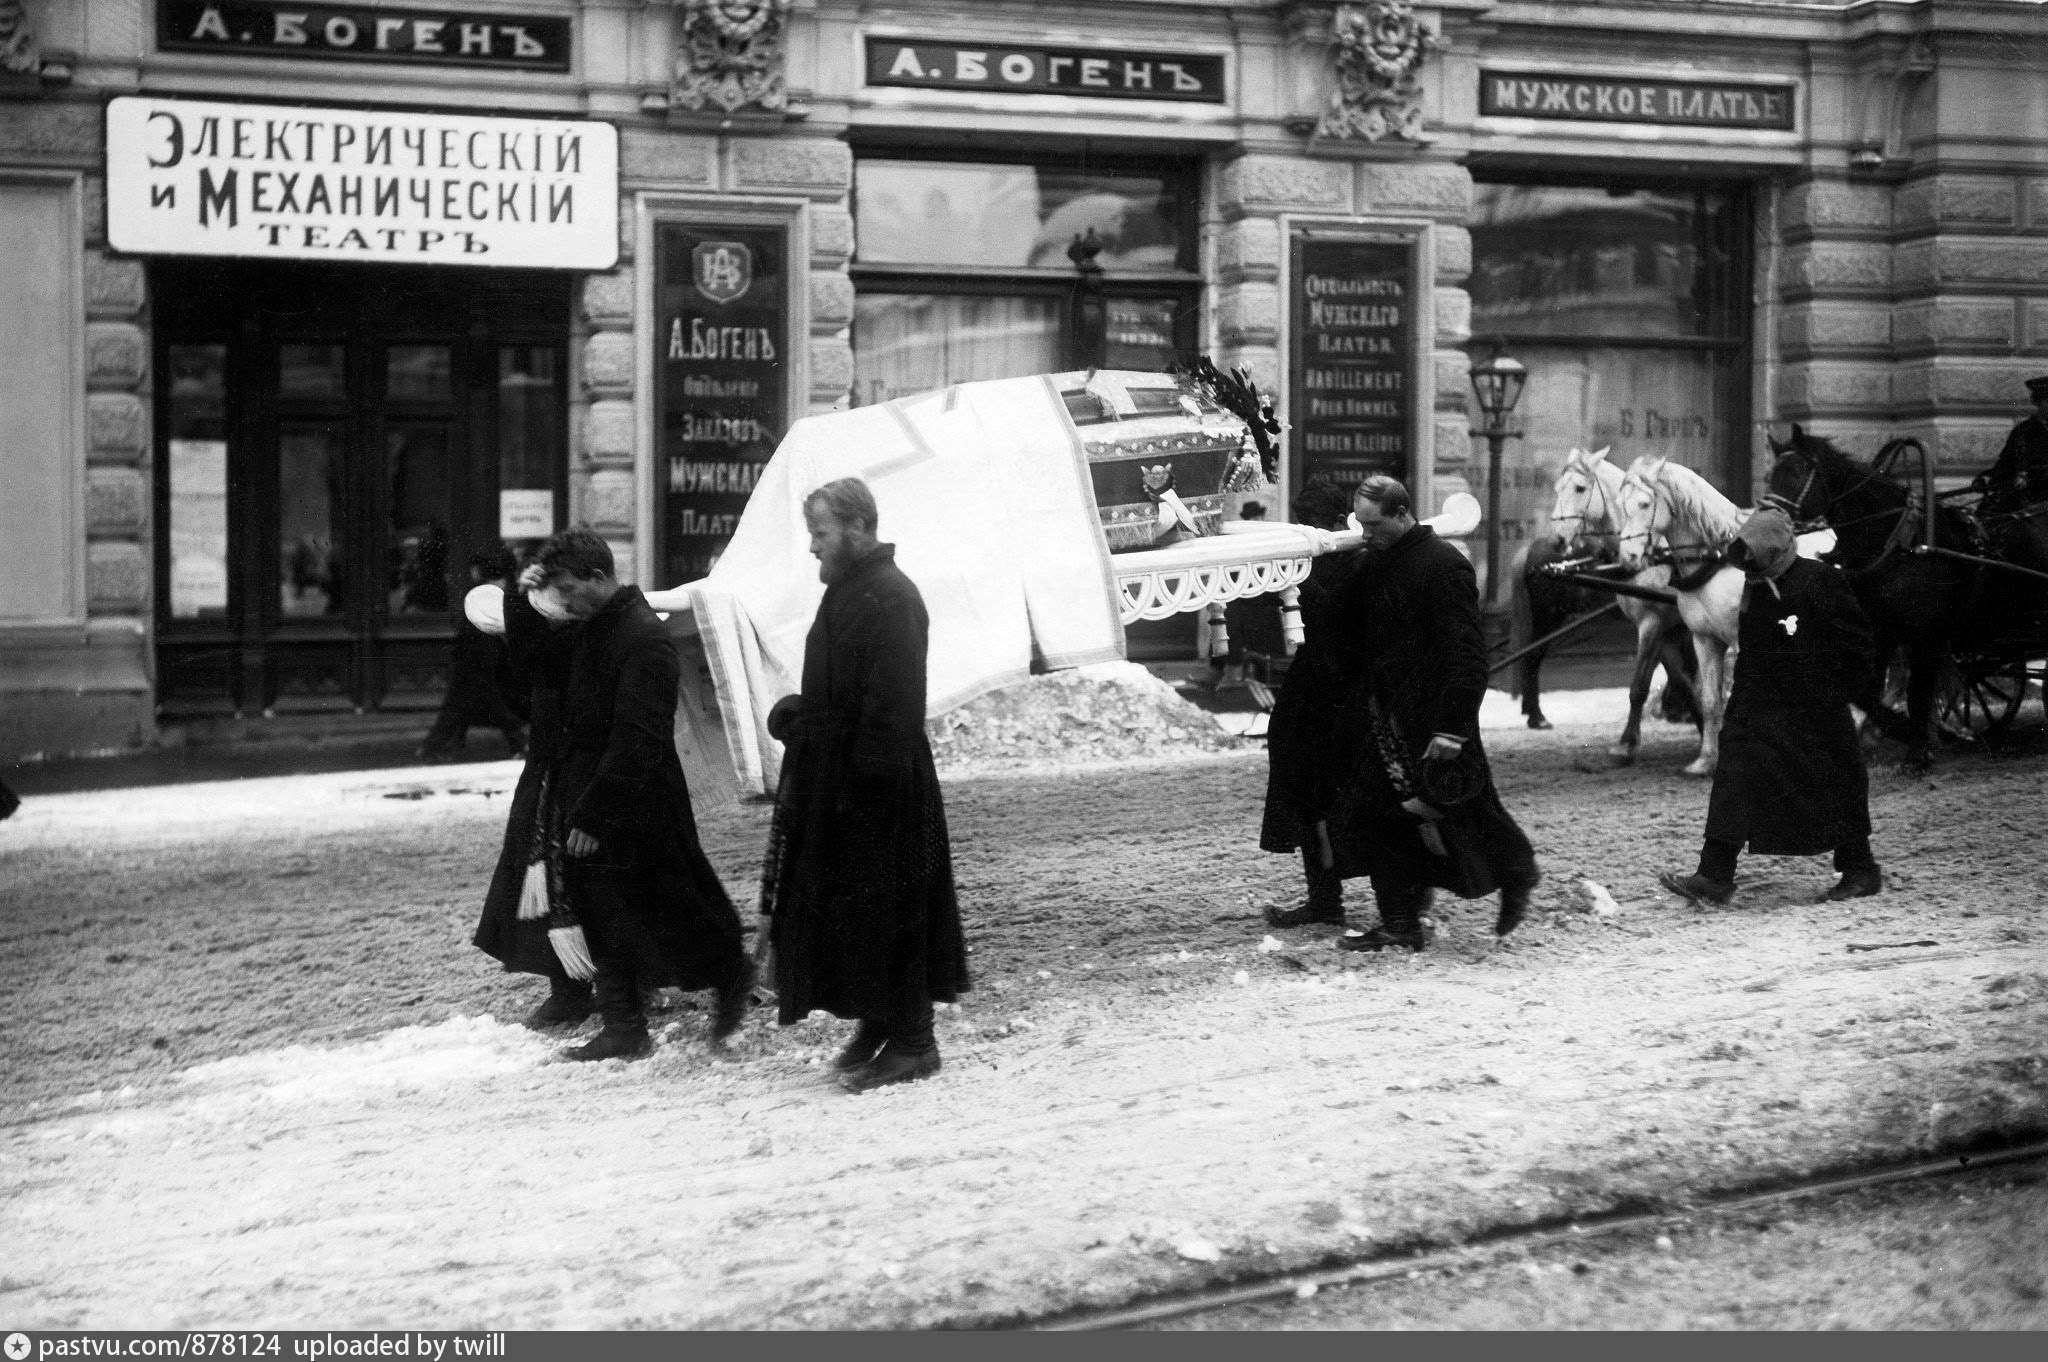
point(1352, 400)
point(186, 177)
point(721, 296)
point(1105, 73)
point(1609, 99)
point(439, 37)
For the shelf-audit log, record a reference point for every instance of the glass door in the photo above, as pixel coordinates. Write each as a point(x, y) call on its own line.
point(335, 446)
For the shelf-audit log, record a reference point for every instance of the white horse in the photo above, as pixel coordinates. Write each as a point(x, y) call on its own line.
point(1585, 513)
point(1668, 502)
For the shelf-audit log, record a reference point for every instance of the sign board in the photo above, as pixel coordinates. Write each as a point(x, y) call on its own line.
point(1352, 365)
point(721, 297)
point(418, 36)
point(190, 177)
point(1099, 72)
point(526, 513)
point(1611, 99)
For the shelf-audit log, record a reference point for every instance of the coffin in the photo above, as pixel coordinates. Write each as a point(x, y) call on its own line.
point(1131, 423)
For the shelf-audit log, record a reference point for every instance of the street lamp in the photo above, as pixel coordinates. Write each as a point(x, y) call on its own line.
point(1497, 380)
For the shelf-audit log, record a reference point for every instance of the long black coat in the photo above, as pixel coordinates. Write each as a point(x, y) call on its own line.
point(1414, 607)
point(2021, 470)
point(1791, 779)
point(859, 880)
point(603, 736)
point(1312, 738)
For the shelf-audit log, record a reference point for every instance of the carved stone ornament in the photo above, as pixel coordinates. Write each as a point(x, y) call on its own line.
point(730, 56)
point(18, 54)
point(1379, 47)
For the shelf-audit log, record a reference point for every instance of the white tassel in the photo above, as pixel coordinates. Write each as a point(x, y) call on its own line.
point(533, 893)
point(573, 951)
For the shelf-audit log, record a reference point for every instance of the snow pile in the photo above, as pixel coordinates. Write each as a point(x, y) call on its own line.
point(1112, 711)
point(409, 1059)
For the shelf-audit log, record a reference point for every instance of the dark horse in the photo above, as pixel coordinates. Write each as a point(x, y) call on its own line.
point(1928, 604)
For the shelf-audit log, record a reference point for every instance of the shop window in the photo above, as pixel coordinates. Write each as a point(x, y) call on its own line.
point(1628, 305)
point(198, 452)
point(312, 371)
point(418, 373)
point(963, 269)
point(311, 566)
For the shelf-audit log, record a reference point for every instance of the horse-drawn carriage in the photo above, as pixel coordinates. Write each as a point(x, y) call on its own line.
point(1962, 588)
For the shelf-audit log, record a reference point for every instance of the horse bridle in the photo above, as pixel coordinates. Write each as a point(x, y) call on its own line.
point(1606, 513)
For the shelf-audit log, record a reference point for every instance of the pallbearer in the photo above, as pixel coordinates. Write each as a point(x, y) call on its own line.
point(858, 883)
point(602, 881)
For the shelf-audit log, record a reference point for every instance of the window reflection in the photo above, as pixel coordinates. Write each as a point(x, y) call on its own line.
point(907, 343)
point(416, 581)
point(1582, 261)
point(1012, 216)
point(309, 468)
point(198, 454)
point(529, 425)
point(419, 373)
point(312, 371)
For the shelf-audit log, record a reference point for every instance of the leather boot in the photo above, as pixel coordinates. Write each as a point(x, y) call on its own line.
point(732, 1005)
point(1514, 906)
point(1325, 904)
point(865, 1044)
point(1855, 884)
point(567, 1005)
point(1698, 888)
point(614, 1042)
point(893, 1064)
point(1401, 922)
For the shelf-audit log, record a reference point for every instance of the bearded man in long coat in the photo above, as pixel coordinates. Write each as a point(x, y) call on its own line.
point(858, 883)
point(1791, 779)
point(1422, 812)
point(601, 832)
point(1313, 738)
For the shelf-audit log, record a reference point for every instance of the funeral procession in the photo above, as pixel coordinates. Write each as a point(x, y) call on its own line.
point(1297, 665)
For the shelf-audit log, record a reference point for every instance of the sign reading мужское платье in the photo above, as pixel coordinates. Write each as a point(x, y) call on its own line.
point(189, 177)
point(1621, 99)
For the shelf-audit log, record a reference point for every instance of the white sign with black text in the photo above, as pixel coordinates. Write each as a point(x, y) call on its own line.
point(186, 177)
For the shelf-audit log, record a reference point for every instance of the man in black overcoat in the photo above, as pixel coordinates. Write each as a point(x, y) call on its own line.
point(1313, 736)
point(481, 690)
point(603, 812)
point(858, 883)
point(1791, 779)
point(1422, 813)
point(2019, 477)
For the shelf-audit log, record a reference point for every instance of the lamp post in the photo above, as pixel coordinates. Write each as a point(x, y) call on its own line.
point(1497, 381)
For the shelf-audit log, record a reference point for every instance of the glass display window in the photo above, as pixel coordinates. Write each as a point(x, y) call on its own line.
point(1628, 304)
point(966, 269)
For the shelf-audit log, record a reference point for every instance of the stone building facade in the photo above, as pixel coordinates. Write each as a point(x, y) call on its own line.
point(1692, 218)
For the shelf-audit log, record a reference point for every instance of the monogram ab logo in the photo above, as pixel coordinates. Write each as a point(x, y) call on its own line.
point(723, 269)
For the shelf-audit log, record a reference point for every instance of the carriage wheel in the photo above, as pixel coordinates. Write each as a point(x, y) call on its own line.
point(1986, 700)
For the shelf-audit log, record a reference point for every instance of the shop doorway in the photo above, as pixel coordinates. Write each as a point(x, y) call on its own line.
point(332, 446)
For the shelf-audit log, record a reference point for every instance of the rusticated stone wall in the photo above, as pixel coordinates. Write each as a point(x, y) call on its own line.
point(1252, 194)
point(1913, 309)
point(604, 483)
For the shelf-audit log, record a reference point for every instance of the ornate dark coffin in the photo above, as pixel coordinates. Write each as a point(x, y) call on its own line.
point(1144, 434)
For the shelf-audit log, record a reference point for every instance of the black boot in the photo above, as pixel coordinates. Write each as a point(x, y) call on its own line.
point(614, 1042)
point(732, 1004)
point(567, 1005)
point(1860, 875)
point(866, 1043)
point(1325, 905)
point(909, 1053)
point(1514, 906)
point(1401, 921)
